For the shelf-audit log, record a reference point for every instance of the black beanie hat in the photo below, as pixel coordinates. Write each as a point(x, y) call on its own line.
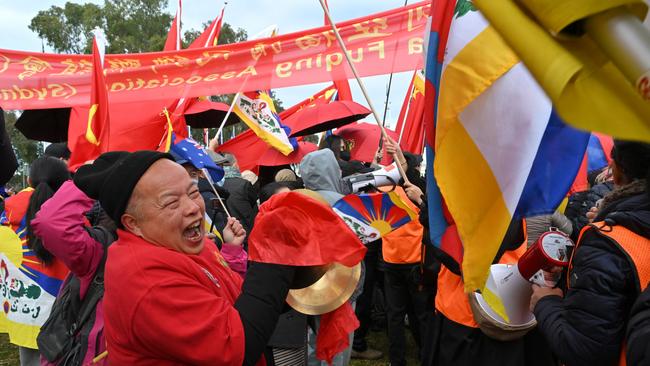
point(58, 150)
point(112, 177)
point(633, 158)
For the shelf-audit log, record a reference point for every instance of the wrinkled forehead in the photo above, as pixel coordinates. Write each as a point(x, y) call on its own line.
point(162, 177)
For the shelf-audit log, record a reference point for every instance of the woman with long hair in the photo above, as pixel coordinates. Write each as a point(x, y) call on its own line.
point(29, 273)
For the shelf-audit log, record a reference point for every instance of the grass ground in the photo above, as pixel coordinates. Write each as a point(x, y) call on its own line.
point(8, 352)
point(376, 340)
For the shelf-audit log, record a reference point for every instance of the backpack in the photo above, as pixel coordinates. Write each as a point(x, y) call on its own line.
point(63, 338)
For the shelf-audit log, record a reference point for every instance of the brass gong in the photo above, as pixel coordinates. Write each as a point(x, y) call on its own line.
point(328, 293)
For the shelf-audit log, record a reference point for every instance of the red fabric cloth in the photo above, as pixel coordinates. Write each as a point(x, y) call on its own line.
point(294, 229)
point(247, 148)
point(364, 138)
point(164, 307)
point(334, 332)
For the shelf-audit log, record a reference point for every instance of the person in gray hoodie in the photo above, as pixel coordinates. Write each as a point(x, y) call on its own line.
point(321, 173)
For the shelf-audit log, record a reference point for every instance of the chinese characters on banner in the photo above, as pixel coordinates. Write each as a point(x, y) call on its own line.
point(37, 80)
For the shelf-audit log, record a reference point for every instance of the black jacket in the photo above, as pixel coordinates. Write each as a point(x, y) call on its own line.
point(581, 202)
point(587, 326)
point(638, 331)
point(212, 205)
point(242, 202)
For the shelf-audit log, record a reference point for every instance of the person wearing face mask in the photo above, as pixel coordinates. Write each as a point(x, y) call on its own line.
point(169, 296)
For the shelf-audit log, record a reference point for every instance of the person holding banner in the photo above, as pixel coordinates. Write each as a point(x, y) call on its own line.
point(609, 268)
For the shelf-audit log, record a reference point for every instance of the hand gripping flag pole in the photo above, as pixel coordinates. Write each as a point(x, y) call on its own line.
point(361, 85)
point(209, 178)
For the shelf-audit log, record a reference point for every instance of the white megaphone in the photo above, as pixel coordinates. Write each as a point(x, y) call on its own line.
point(386, 176)
point(511, 284)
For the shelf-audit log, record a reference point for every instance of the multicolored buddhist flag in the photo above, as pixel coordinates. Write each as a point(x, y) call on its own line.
point(598, 156)
point(257, 111)
point(588, 90)
point(374, 215)
point(501, 151)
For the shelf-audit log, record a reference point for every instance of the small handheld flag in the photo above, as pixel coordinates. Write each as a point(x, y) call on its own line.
point(191, 151)
point(258, 112)
point(371, 216)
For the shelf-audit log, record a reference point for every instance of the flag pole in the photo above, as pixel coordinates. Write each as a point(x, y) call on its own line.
point(209, 178)
point(223, 123)
point(361, 85)
point(390, 82)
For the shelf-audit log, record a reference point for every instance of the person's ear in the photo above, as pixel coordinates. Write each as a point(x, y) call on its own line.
point(130, 223)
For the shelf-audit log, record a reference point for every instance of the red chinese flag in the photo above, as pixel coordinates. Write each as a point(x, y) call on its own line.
point(95, 138)
point(174, 38)
point(322, 97)
point(210, 35)
point(410, 128)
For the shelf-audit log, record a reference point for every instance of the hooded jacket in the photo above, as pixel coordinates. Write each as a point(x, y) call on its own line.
point(587, 326)
point(321, 173)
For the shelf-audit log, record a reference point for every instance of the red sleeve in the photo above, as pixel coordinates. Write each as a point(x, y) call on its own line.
point(186, 323)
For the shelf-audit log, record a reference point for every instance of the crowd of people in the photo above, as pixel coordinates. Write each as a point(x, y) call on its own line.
point(144, 281)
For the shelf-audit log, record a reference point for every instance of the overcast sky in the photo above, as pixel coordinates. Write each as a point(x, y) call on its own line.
point(251, 15)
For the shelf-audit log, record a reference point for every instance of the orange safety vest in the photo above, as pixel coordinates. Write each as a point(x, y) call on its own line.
point(451, 299)
point(404, 245)
point(636, 249)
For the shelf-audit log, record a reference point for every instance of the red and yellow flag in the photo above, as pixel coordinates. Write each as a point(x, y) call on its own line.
point(98, 113)
point(174, 38)
point(210, 36)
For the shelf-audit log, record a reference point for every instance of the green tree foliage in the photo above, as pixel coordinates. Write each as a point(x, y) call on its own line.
point(26, 150)
point(131, 26)
point(68, 29)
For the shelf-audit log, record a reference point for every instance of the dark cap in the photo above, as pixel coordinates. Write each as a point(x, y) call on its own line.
point(58, 150)
point(112, 177)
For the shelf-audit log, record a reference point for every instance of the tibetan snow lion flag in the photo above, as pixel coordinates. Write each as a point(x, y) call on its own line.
point(371, 216)
point(256, 109)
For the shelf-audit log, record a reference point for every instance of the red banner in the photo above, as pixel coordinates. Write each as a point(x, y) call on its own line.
point(381, 43)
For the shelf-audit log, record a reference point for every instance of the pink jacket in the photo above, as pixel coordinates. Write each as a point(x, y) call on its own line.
point(60, 224)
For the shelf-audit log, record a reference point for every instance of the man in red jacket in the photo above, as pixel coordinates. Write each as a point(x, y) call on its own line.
point(169, 297)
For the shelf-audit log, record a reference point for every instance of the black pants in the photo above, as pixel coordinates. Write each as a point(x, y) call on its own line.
point(404, 296)
point(363, 308)
point(451, 344)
